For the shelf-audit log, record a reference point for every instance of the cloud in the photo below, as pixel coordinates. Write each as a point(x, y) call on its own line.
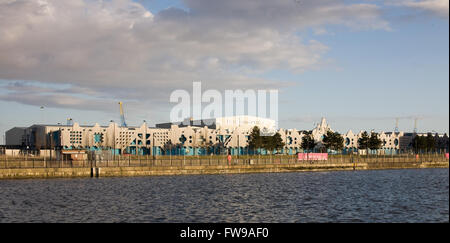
point(302, 119)
point(438, 8)
point(57, 97)
point(287, 14)
point(59, 101)
point(110, 50)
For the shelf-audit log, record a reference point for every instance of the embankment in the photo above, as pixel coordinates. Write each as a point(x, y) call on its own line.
point(21, 173)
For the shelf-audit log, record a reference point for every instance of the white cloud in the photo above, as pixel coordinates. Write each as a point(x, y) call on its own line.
point(436, 7)
point(117, 49)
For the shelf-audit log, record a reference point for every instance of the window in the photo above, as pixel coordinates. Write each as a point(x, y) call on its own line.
point(347, 141)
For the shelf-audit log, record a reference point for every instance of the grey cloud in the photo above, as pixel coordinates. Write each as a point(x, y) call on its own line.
point(57, 101)
point(302, 119)
point(288, 14)
point(25, 87)
point(61, 100)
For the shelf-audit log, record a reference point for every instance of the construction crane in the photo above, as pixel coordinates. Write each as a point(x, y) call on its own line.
point(122, 116)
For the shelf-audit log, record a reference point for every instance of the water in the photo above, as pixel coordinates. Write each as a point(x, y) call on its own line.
point(416, 195)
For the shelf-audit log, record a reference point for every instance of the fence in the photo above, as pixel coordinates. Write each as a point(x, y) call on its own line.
point(8, 162)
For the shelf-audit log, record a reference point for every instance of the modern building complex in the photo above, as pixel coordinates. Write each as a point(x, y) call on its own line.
point(232, 122)
point(214, 136)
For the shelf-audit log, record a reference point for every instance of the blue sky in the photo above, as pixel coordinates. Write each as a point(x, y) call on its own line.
point(360, 64)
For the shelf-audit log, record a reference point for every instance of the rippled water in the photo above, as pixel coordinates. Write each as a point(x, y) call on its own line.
point(416, 195)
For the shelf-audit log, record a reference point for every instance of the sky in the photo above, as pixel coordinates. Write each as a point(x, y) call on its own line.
point(359, 63)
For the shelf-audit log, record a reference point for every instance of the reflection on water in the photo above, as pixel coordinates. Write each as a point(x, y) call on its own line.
point(417, 195)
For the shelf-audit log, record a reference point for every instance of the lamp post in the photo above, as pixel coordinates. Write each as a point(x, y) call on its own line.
point(239, 146)
point(153, 146)
point(169, 146)
point(114, 140)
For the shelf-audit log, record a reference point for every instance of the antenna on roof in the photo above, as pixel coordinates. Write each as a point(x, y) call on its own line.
point(396, 125)
point(415, 124)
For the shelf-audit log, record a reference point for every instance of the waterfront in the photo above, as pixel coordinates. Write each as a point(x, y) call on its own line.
point(408, 195)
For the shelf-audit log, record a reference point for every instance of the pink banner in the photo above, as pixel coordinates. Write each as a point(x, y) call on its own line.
point(302, 156)
point(446, 155)
point(313, 156)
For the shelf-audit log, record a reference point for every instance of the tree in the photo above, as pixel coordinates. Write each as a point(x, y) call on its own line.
point(219, 147)
point(430, 142)
point(327, 140)
point(442, 142)
point(363, 141)
point(333, 141)
point(277, 142)
point(308, 142)
point(374, 142)
point(271, 143)
point(419, 143)
point(255, 140)
point(168, 146)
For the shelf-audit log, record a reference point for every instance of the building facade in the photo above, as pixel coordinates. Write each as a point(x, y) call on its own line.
point(229, 136)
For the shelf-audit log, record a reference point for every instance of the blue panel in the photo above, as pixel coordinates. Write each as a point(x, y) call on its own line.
point(97, 138)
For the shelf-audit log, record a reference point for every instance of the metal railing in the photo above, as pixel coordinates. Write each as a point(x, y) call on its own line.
point(8, 162)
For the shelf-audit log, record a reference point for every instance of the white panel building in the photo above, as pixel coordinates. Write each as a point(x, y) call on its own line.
point(226, 135)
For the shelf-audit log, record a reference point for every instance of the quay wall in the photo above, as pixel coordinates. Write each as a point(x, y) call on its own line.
point(21, 173)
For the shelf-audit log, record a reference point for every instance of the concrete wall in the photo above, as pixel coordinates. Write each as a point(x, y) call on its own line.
point(207, 169)
point(44, 173)
point(12, 152)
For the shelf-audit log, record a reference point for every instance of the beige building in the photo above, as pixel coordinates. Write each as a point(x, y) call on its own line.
point(228, 136)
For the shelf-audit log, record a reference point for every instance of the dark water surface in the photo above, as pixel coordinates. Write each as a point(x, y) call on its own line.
point(413, 195)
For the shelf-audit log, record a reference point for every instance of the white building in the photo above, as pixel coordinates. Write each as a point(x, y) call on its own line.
point(226, 135)
point(245, 122)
